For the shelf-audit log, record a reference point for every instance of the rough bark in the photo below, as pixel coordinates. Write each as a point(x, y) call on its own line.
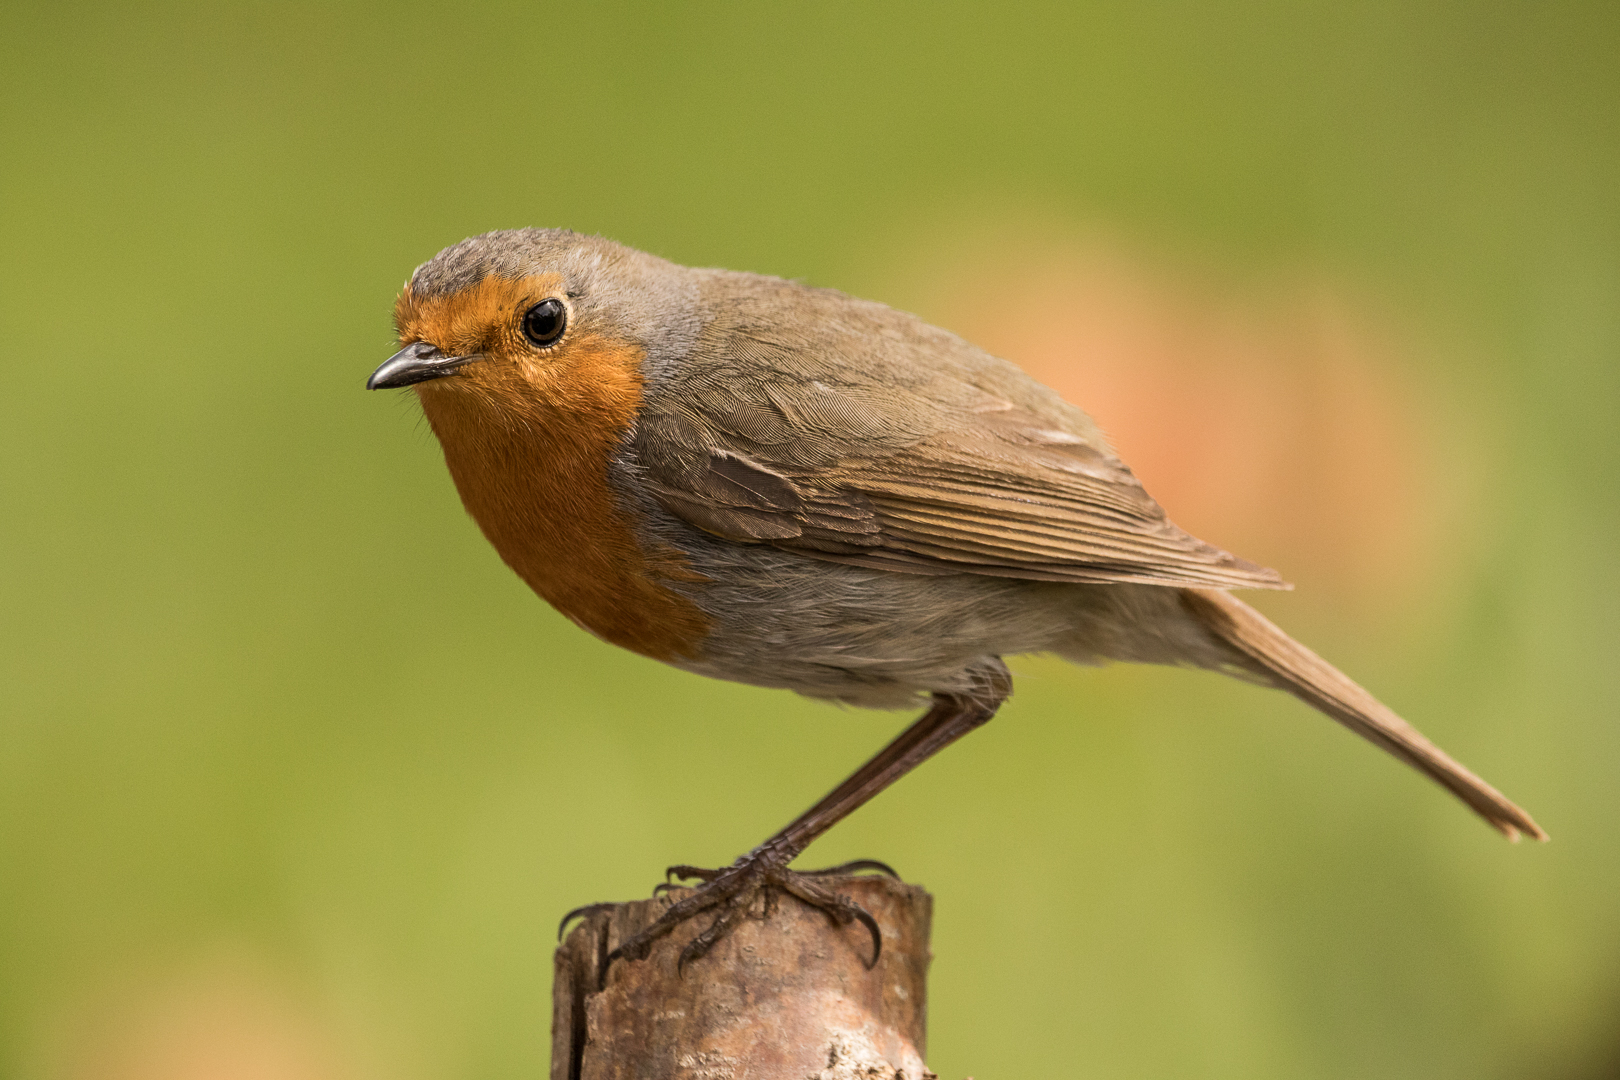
point(786, 996)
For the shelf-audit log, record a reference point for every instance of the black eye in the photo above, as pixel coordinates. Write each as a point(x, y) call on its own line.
point(543, 324)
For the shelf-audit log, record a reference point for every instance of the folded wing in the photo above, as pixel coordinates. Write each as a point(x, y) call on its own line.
point(961, 466)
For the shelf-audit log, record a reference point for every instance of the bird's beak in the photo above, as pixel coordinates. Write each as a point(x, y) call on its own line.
point(413, 364)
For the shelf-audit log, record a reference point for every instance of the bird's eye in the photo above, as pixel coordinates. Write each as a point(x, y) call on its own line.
point(543, 324)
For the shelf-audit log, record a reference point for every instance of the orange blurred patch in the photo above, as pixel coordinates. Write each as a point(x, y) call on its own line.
point(224, 1018)
point(1279, 427)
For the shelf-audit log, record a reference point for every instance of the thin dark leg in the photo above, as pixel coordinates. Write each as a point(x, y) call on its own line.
point(947, 721)
point(733, 888)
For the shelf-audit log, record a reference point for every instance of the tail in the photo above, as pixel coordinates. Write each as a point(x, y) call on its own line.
point(1291, 666)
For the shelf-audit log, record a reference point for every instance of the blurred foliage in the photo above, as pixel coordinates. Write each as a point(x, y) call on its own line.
point(268, 696)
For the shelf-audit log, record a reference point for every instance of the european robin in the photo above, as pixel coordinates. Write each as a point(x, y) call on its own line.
point(781, 485)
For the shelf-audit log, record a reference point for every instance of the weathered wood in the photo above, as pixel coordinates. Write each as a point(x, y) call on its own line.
point(785, 996)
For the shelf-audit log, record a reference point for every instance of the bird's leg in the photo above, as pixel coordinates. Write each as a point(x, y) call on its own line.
point(733, 889)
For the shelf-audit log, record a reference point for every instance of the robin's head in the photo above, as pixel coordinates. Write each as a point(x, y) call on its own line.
point(536, 317)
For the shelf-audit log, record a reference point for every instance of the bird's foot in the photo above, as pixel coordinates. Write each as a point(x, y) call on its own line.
point(760, 874)
point(698, 873)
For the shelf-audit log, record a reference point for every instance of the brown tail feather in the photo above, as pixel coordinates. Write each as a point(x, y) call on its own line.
point(1293, 667)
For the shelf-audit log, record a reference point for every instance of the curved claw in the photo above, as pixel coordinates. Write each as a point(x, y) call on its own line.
point(688, 873)
point(871, 925)
point(581, 912)
point(733, 891)
point(855, 866)
point(840, 909)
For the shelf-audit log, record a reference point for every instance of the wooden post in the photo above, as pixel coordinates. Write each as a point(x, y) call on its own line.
point(785, 996)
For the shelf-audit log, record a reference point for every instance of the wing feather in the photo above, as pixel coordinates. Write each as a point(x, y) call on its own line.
point(870, 438)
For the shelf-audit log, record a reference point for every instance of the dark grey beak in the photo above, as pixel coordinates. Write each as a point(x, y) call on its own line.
point(413, 364)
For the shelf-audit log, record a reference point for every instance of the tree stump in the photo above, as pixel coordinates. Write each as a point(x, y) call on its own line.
point(785, 996)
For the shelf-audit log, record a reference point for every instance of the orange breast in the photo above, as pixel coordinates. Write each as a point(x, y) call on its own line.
point(529, 453)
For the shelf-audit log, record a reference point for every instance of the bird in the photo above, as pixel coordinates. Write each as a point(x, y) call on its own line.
point(762, 481)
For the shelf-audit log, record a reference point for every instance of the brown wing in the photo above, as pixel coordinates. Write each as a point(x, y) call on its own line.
point(867, 437)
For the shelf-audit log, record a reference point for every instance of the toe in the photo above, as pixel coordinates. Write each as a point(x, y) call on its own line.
point(729, 916)
point(854, 867)
point(582, 913)
point(840, 909)
point(637, 948)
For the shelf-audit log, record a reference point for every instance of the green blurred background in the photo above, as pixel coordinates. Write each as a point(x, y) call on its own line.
point(296, 777)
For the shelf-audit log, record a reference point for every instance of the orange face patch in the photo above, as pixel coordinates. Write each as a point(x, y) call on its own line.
point(528, 435)
point(481, 318)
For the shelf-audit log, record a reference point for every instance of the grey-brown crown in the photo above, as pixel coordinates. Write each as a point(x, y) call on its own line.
point(510, 253)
